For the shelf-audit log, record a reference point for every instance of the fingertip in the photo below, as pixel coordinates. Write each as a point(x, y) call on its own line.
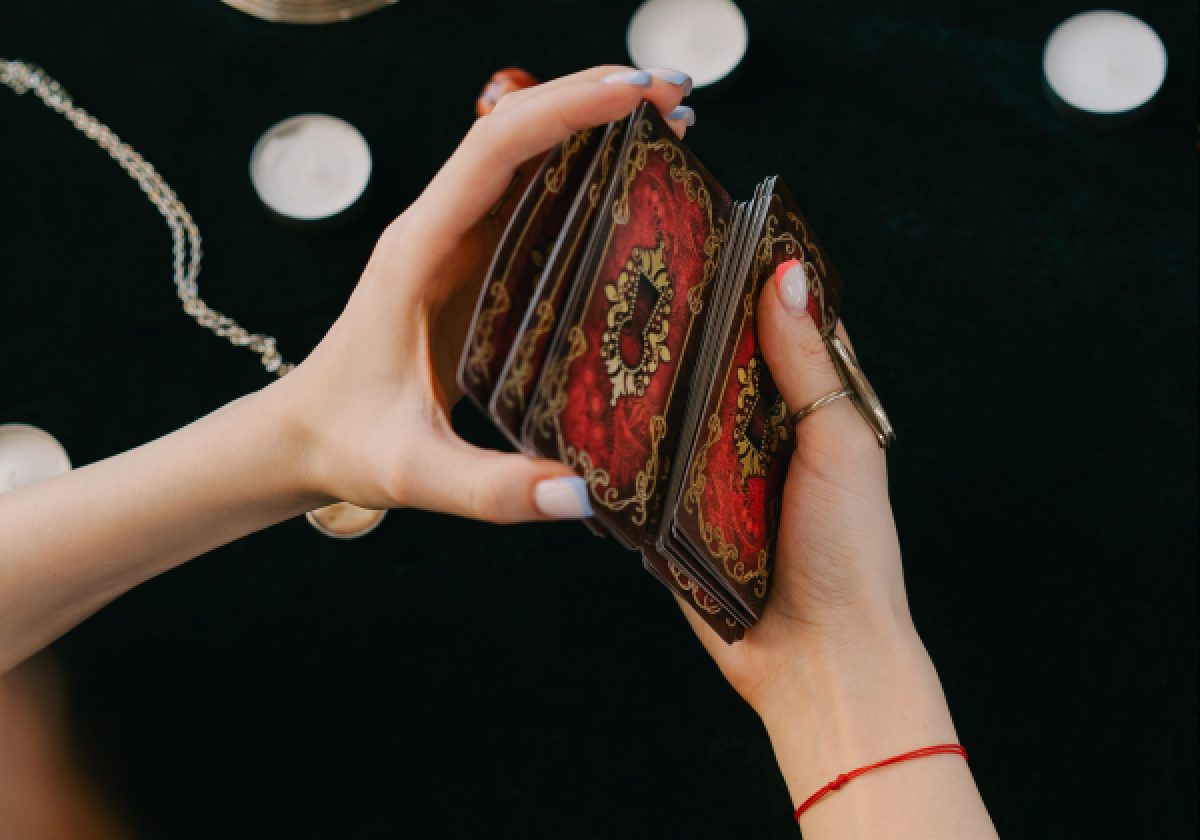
point(790, 341)
point(562, 497)
point(772, 315)
point(783, 308)
point(681, 114)
point(662, 87)
point(791, 280)
point(615, 100)
point(677, 78)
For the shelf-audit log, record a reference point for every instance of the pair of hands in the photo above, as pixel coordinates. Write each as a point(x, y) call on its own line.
point(373, 398)
point(834, 668)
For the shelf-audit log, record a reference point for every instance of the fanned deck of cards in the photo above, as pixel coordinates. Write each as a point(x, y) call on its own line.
point(615, 332)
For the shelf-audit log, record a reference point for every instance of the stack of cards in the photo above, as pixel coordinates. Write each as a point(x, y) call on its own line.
point(615, 332)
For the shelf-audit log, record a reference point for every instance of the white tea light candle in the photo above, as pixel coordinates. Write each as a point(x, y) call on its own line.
point(310, 167)
point(1104, 63)
point(704, 38)
point(308, 11)
point(28, 455)
point(344, 521)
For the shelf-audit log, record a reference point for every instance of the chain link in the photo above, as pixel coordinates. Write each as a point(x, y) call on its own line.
point(22, 78)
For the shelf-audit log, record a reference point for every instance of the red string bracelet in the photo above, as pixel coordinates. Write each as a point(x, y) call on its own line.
point(840, 781)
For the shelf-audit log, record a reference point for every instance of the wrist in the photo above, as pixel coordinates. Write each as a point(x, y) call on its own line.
point(281, 445)
point(849, 701)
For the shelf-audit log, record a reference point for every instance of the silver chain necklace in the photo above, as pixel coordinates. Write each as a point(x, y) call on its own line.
point(340, 520)
point(185, 236)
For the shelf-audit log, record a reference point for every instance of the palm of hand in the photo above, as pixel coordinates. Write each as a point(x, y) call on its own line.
point(393, 353)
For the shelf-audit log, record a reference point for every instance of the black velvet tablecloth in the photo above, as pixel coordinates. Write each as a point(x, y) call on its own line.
point(1022, 291)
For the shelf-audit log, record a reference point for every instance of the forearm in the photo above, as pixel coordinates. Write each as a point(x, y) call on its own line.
point(857, 703)
point(71, 544)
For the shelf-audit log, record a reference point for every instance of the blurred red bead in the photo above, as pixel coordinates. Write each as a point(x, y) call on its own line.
point(502, 82)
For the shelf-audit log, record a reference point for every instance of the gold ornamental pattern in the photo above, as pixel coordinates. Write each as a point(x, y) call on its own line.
point(718, 547)
point(756, 456)
point(694, 187)
point(814, 262)
point(556, 176)
point(552, 398)
point(644, 275)
point(800, 247)
point(699, 597)
point(483, 349)
point(513, 390)
point(598, 479)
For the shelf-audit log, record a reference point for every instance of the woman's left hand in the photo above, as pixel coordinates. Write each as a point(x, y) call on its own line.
point(364, 419)
point(374, 397)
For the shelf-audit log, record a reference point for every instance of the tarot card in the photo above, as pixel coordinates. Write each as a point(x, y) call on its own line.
point(728, 509)
point(744, 232)
point(677, 580)
point(613, 389)
point(518, 261)
point(519, 375)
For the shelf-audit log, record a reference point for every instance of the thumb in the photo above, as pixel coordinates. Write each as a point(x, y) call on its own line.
point(450, 475)
point(799, 361)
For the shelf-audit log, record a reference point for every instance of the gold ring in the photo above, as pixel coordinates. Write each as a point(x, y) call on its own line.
point(864, 397)
point(819, 404)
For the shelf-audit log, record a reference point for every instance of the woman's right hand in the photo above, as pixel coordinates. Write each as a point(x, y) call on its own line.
point(835, 668)
point(838, 579)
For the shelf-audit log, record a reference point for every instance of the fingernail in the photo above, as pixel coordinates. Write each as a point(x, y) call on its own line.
point(674, 77)
point(638, 78)
point(684, 113)
point(562, 498)
point(792, 280)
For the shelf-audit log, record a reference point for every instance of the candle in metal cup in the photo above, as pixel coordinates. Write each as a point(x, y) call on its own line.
point(345, 521)
point(1104, 64)
point(29, 455)
point(310, 167)
point(704, 38)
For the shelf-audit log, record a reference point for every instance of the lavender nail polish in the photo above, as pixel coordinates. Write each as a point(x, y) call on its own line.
point(637, 78)
point(562, 498)
point(684, 113)
point(673, 77)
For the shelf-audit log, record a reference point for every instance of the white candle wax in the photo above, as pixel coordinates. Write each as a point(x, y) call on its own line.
point(1104, 62)
point(704, 38)
point(28, 455)
point(310, 167)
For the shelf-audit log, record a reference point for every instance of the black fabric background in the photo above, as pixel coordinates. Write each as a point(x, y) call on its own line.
point(1022, 291)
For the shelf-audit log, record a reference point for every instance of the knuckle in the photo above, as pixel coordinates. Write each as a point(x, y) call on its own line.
point(810, 373)
point(394, 238)
point(811, 348)
point(507, 101)
point(488, 130)
point(561, 116)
